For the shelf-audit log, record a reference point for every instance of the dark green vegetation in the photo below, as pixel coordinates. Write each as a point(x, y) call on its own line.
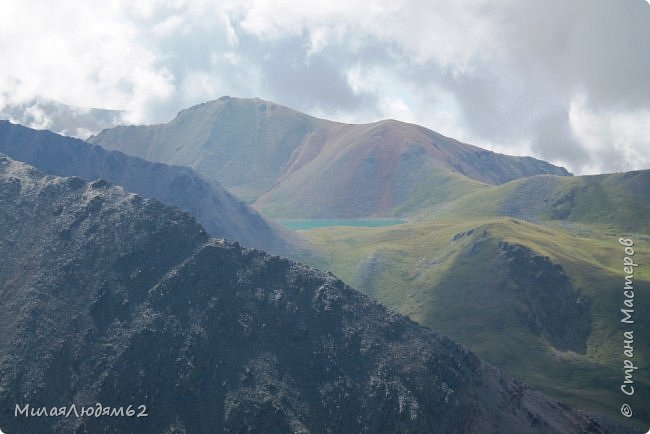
point(295, 166)
point(219, 212)
point(108, 297)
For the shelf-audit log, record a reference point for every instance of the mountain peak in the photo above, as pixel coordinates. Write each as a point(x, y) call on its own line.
point(282, 159)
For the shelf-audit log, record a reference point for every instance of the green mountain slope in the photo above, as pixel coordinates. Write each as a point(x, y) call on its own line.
point(542, 303)
point(295, 165)
point(620, 200)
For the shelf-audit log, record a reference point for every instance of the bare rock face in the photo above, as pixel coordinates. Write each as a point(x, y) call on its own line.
point(547, 302)
point(110, 298)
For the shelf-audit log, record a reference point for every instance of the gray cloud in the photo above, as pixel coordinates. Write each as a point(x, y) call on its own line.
point(553, 139)
point(564, 80)
point(306, 81)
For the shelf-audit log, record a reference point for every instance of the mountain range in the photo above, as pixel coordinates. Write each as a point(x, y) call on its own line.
point(221, 213)
point(532, 248)
point(292, 165)
point(111, 298)
point(513, 257)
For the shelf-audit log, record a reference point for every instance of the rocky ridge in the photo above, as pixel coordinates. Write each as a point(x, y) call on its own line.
point(112, 298)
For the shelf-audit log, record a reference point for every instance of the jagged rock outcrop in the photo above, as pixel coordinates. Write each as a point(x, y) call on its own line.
point(545, 299)
point(108, 297)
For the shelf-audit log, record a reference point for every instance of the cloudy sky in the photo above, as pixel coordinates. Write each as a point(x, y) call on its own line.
point(564, 80)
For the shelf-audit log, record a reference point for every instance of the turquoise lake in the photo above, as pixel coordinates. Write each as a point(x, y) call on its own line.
point(306, 224)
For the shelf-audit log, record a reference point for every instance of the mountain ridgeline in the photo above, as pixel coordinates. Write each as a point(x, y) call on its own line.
point(219, 212)
point(113, 298)
point(616, 200)
point(294, 165)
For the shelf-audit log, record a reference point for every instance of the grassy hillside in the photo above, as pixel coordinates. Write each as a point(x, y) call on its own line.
point(543, 303)
point(614, 201)
point(346, 187)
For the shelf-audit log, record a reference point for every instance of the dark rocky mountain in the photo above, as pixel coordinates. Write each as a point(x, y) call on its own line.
point(220, 213)
point(110, 298)
point(296, 165)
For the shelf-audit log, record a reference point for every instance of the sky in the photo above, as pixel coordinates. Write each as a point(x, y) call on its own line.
point(567, 81)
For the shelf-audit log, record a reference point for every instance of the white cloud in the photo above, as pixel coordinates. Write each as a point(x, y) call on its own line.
point(616, 141)
point(79, 53)
point(169, 26)
point(514, 76)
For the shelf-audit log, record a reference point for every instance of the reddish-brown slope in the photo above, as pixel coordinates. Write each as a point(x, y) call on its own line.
point(295, 165)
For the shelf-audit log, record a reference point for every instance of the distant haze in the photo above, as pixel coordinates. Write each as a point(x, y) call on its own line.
point(566, 82)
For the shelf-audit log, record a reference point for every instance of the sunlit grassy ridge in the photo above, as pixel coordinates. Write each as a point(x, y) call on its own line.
point(617, 201)
point(450, 276)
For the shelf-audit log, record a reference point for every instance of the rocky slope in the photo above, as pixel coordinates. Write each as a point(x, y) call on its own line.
point(295, 165)
point(221, 214)
point(108, 297)
point(545, 301)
